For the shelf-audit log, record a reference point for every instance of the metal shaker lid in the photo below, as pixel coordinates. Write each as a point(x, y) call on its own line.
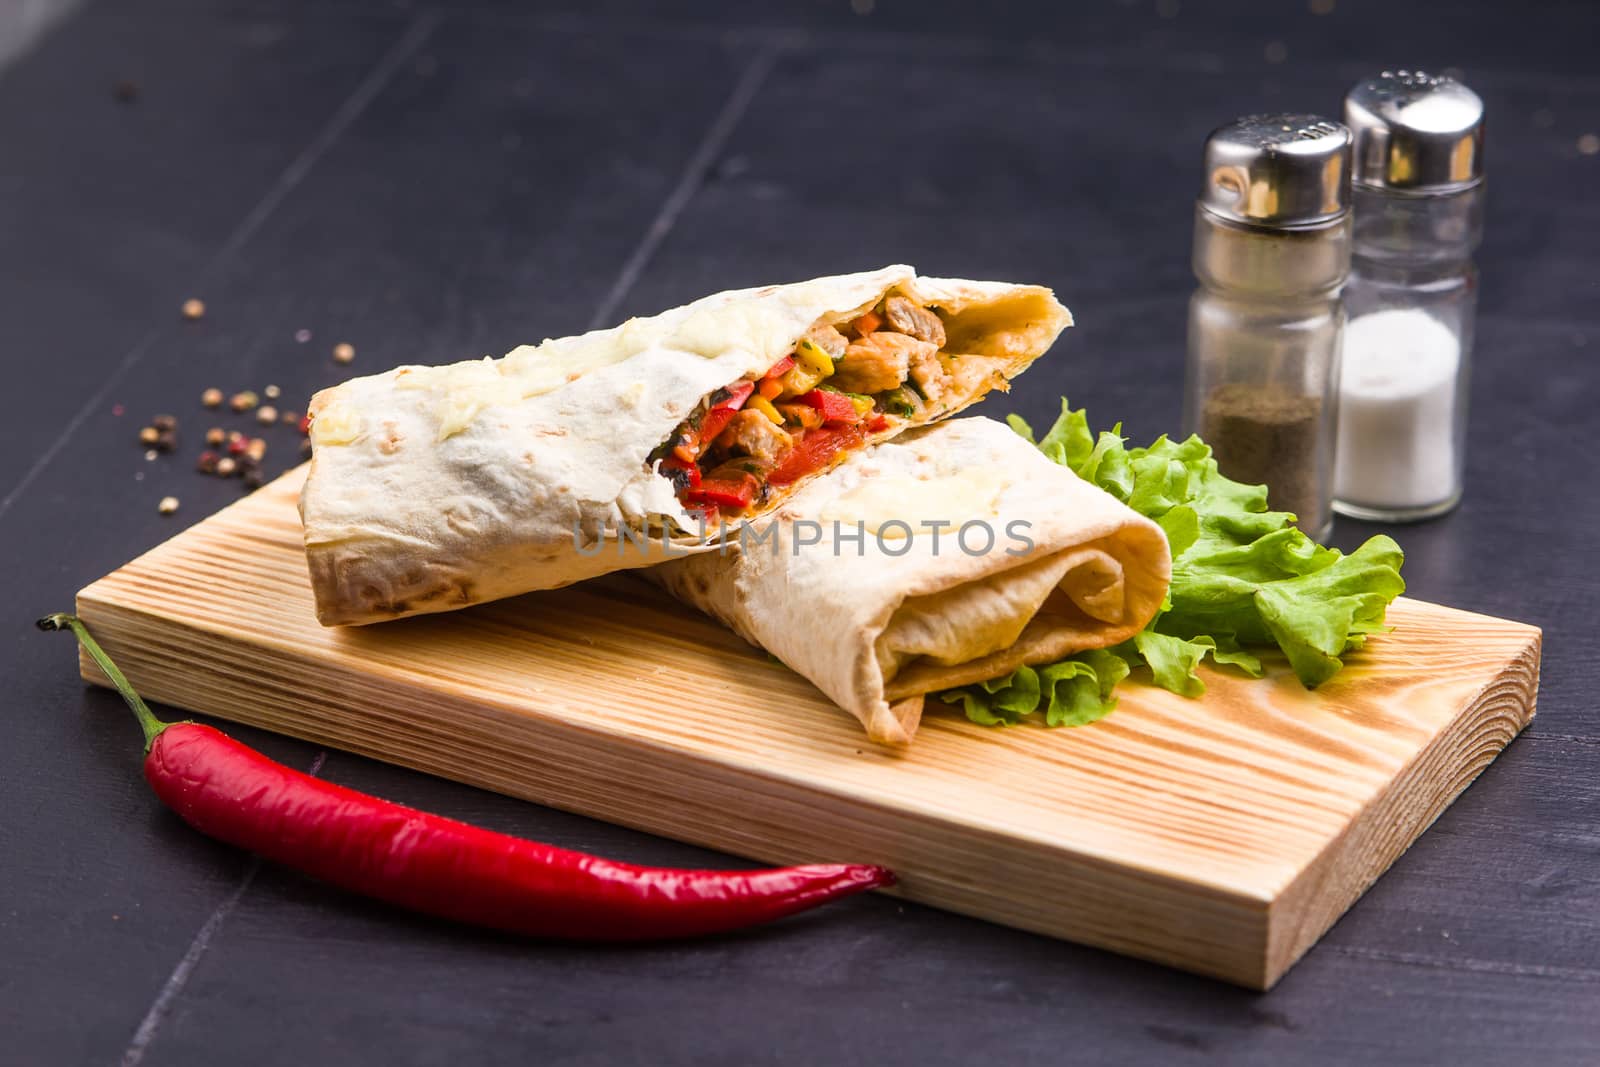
point(1278, 171)
point(1415, 131)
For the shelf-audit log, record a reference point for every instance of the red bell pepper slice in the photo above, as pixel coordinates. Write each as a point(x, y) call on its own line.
point(777, 369)
point(716, 420)
point(871, 322)
point(723, 411)
point(713, 422)
point(738, 393)
point(723, 492)
point(683, 475)
point(836, 408)
point(815, 450)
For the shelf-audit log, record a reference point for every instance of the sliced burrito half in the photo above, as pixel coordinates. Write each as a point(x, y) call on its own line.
point(432, 488)
point(945, 557)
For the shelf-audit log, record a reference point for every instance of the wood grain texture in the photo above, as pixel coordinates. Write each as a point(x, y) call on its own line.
point(1222, 836)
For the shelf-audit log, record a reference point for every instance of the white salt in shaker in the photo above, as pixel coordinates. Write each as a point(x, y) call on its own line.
point(1417, 198)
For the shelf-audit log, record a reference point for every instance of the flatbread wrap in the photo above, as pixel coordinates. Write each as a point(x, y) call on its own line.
point(433, 488)
point(845, 584)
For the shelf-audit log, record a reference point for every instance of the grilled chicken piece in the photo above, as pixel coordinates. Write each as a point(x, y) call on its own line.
point(755, 435)
point(913, 320)
point(972, 374)
point(931, 372)
point(828, 339)
point(878, 361)
point(943, 377)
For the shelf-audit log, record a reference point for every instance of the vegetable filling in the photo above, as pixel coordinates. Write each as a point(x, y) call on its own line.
point(843, 382)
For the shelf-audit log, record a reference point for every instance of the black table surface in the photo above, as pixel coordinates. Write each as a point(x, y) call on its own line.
point(433, 183)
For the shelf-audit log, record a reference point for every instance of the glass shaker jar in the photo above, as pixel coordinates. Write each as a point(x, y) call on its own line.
point(1417, 198)
point(1271, 252)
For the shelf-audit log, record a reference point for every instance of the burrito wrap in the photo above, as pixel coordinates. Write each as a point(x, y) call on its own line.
point(432, 488)
point(879, 626)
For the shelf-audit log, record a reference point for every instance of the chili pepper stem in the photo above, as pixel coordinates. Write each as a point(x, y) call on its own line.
point(147, 720)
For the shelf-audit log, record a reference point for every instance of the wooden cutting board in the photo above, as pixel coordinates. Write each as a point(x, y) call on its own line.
point(1222, 835)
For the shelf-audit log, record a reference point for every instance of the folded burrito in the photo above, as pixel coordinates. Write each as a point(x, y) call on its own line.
point(948, 556)
point(432, 488)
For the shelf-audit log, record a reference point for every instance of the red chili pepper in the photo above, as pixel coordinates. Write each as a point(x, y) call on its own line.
point(836, 408)
point(723, 492)
point(443, 867)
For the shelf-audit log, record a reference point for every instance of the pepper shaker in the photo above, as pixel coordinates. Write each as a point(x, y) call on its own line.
point(1417, 199)
point(1271, 253)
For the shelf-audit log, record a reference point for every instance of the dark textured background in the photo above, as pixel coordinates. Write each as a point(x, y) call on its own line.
point(436, 183)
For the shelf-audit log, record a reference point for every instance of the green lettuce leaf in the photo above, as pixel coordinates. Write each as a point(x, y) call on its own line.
point(1081, 688)
point(1073, 692)
point(1241, 576)
point(1172, 660)
point(999, 701)
point(1320, 616)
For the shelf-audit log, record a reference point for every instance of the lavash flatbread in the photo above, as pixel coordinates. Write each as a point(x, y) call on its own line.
point(433, 488)
point(879, 626)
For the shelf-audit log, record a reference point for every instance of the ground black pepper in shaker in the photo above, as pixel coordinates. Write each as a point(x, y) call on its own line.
point(1271, 252)
point(1270, 437)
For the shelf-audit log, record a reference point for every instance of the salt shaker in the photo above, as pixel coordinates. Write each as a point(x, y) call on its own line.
point(1271, 252)
point(1417, 199)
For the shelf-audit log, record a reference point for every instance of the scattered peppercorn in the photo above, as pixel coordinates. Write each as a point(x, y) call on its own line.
point(237, 445)
point(343, 353)
point(226, 466)
point(149, 436)
point(267, 414)
point(150, 455)
point(272, 392)
point(215, 437)
point(234, 435)
point(193, 309)
point(211, 398)
point(256, 450)
point(244, 401)
point(168, 505)
point(166, 441)
point(302, 336)
point(305, 449)
point(291, 418)
point(164, 422)
point(305, 423)
point(207, 463)
point(253, 478)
